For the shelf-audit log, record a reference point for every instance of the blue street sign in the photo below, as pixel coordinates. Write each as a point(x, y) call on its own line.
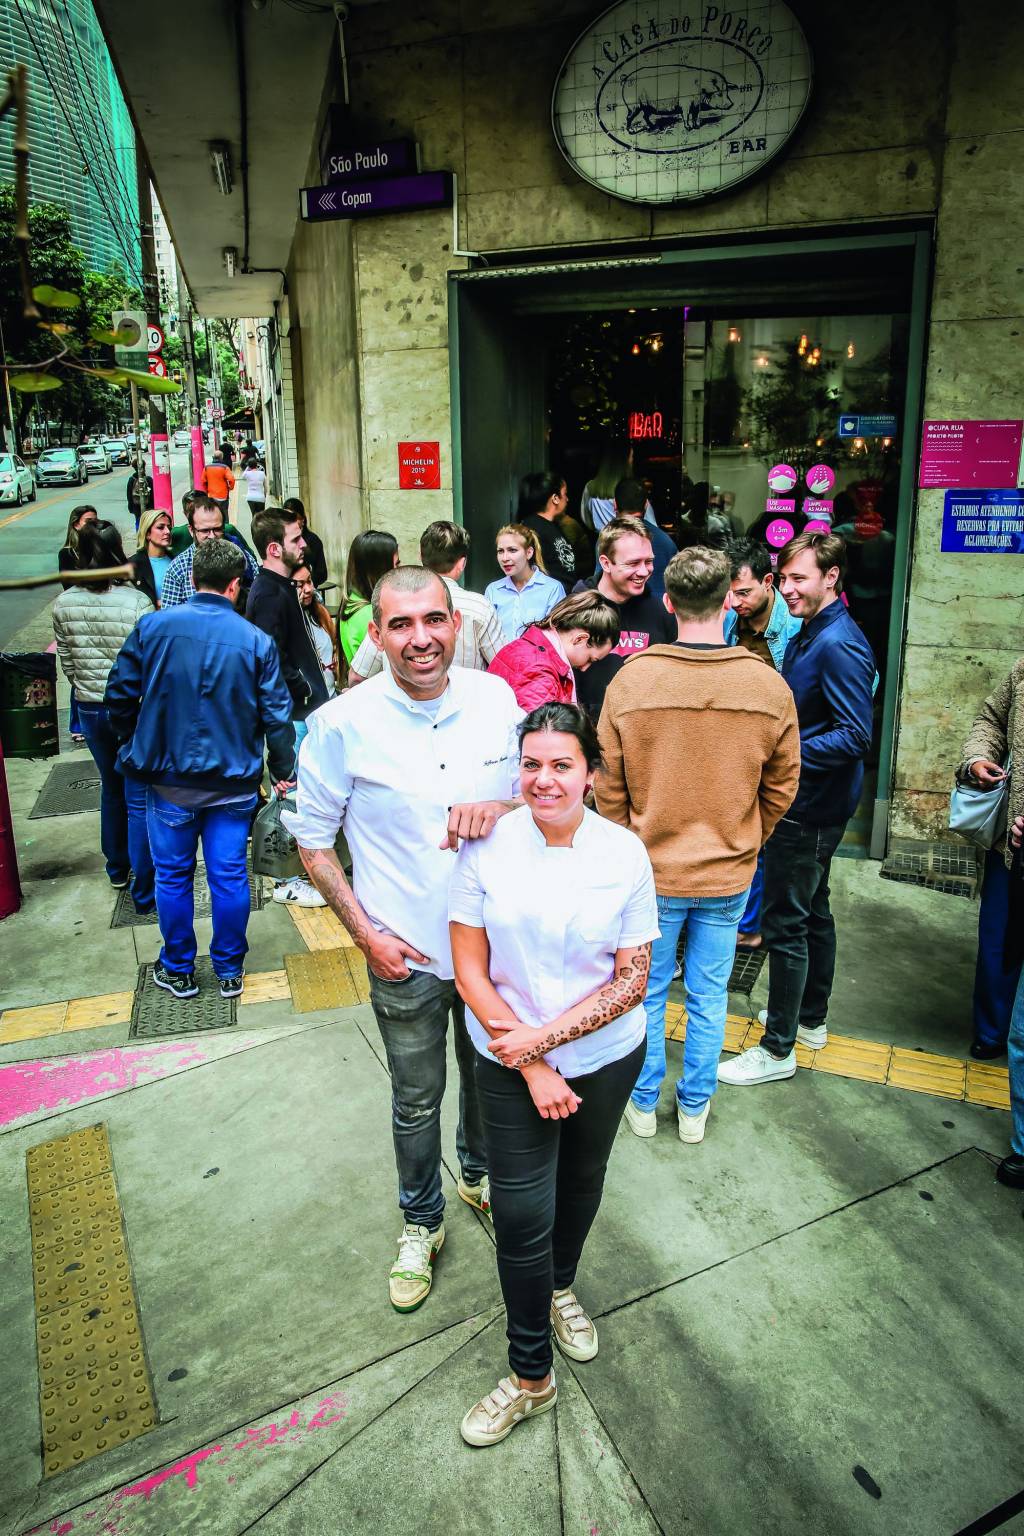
point(363, 199)
point(867, 426)
point(983, 523)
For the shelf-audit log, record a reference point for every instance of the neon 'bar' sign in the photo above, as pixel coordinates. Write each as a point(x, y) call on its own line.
point(645, 424)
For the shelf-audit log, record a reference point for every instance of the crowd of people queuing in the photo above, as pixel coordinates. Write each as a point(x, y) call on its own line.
point(475, 749)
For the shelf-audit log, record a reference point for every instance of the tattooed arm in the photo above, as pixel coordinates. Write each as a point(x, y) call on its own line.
point(385, 954)
point(520, 1045)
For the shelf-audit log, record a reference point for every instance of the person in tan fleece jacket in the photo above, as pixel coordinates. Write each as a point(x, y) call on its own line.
point(701, 757)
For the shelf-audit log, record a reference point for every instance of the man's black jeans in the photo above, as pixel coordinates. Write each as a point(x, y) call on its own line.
point(547, 1177)
point(799, 929)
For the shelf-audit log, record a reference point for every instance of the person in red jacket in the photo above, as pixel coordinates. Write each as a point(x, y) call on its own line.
point(539, 666)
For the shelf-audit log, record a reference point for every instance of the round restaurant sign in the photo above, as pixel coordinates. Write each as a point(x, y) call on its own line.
point(667, 103)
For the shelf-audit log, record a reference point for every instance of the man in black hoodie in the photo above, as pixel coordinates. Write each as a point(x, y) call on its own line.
point(273, 606)
point(626, 560)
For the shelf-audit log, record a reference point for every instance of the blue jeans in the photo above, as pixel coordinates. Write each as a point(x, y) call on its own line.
point(174, 834)
point(1015, 1052)
point(750, 922)
point(412, 1017)
point(74, 723)
point(994, 985)
point(123, 835)
point(711, 923)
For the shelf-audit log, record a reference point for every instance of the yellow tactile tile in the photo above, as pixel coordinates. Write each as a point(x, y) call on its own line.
point(266, 987)
point(988, 1085)
point(922, 1072)
point(335, 978)
point(845, 1056)
point(28, 1023)
point(92, 1012)
point(95, 1390)
point(320, 928)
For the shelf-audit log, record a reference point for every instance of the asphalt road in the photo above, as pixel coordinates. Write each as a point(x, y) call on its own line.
point(30, 536)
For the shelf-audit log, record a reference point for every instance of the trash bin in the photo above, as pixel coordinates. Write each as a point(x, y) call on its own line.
point(28, 704)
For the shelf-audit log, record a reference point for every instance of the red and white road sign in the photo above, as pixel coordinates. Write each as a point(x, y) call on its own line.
point(158, 366)
point(156, 338)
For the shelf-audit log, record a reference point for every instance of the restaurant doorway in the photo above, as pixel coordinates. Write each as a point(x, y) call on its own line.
point(755, 390)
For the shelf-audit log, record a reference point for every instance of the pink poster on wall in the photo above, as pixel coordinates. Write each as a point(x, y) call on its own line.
point(956, 455)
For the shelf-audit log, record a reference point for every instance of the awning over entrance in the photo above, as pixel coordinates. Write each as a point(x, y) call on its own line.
point(239, 421)
point(247, 79)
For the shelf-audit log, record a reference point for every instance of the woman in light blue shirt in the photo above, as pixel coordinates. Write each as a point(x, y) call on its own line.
point(526, 593)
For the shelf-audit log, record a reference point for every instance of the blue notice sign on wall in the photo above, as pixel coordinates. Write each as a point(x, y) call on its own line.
point(983, 523)
point(867, 426)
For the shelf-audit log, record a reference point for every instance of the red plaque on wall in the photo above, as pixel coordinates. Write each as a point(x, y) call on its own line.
point(419, 466)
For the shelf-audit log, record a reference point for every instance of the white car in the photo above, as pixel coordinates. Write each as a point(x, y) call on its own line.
point(16, 482)
point(97, 458)
point(182, 438)
point(61, 466)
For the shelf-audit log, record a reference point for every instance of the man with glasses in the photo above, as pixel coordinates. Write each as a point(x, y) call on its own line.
point(205, 521)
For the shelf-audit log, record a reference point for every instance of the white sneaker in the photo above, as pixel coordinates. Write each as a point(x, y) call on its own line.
point(756, 1066)
point(412, 1273)
point(677, 972)
point(691, 1127)
point(815, 1039)
point(298, 892)
point(642, 1122)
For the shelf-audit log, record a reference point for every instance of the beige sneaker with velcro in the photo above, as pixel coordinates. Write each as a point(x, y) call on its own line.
point(495, 1416)
point(575, 1333)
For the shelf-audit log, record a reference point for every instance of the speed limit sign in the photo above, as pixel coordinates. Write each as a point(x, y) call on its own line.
point(156, 338)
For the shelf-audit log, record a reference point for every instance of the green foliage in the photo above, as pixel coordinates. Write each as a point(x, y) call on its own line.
point(34, 383)
point(76, 320)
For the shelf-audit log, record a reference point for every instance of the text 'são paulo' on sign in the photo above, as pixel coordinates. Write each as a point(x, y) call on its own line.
point(667, 102)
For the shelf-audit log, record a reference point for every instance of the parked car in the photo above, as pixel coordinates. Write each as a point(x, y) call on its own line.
point(61, 466)
point(97, 458)
point(117, 448)
point(16, 482)
point(182, 438)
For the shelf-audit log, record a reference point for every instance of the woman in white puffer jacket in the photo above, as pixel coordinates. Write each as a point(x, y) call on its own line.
point(90, 625)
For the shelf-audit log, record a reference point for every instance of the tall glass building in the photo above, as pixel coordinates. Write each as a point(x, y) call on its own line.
point(81, 140)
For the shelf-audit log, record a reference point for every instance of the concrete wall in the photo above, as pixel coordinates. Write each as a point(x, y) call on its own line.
point(915, 112)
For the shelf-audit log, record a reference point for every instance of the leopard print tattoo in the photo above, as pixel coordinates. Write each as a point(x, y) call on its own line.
point(626, 989)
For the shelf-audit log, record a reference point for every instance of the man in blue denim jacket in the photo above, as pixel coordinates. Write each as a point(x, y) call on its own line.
point(831, 670)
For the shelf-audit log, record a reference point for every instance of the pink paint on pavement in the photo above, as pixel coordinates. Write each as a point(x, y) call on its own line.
point(115, 1516)
point(60, 1082)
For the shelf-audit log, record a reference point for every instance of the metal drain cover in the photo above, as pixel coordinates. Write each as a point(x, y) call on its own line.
point(949, 867)
point(71, 787)
point(125, 915)
point(157, 1013)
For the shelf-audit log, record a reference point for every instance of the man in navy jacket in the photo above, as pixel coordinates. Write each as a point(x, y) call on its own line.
point(193, 694)
point(831, 670)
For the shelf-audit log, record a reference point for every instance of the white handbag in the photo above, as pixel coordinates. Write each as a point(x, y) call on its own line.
point(980, 814)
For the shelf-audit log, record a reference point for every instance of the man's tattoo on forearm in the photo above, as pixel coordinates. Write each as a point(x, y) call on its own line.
point(326, 874)
point(626, 989)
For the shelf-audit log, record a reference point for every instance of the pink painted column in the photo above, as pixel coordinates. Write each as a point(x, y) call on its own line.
point(159, 448)
point(198, 457)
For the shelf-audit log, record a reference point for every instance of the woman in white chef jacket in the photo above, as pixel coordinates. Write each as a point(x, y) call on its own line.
point(552, 919)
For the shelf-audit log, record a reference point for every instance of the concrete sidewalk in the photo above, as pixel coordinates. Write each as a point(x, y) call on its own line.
point(809, 1322)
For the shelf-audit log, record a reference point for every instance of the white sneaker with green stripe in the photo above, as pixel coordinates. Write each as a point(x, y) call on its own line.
point(477, 1195)
point(412, 1273)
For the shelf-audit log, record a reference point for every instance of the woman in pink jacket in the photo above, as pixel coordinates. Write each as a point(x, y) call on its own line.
point(538, 667)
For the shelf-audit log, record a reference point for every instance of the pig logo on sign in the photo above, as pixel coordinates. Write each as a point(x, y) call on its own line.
point(657, 102)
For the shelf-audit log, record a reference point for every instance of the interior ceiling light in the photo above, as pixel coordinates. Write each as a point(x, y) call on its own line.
point(220, 163)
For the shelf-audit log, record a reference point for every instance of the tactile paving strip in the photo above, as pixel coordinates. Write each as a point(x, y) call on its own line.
point(158, 1013)
point(125, 915)
point(71, 786)
point(95, 1389)
point(327, 978)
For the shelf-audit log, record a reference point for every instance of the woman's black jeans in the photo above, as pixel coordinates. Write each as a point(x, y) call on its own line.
point(546, 1182)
